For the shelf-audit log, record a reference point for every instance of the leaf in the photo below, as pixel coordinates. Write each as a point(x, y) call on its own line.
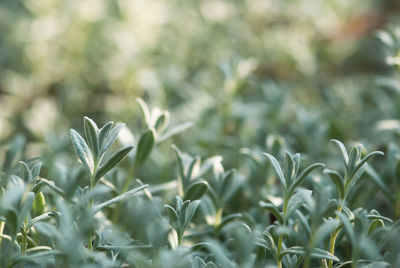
point(25, 172)
point(378, 180)
point(112, 162)
point(173, 217)
point(228, 219)
point(338, 180)
point(348, 229)
point(82, 150)
point(145, 111)
point(119, 198)
point(303, 176)
point(296, 201)
point(36, 170)
point(26, 208)
point(277, 168)
point(51, 185)
point(325, 230)
point(375, 224)
point(364, 160)
point(289, 168)
point(314, 253)
point(271, 208)
point(104, 132)
point(189, 213)
point(162, 122)
point(343, 150)
point(111, 137)
point(91, 134)
point(354, 157)
point(174, 130)
point(196, 190)
point(144, 147)
point(173, 239)
point(198, 262)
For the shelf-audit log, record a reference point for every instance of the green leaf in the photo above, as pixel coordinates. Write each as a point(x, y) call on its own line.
point(277, 168)
point(348, 229)
point(314, 253)
point(364, 160)
point(375, 224)
point(25, 172)
point(271, 208)
point(119, 198)
point(189, 213)
point(36, 170)
point(297, 200)
point(112, 162)
point(103, 133)
point(145, 111)
point(174, 130)
point(338, 180)
point(91, 134)
point(144, 147)
point(354, 157)
point(26, 208)
point(82, 150)
point(162, 122)
point(289, 168)
point(324, 230)
point(342, 148)
point(196, 190)
point(299, 180)
point(111, 137)
point(173, 217)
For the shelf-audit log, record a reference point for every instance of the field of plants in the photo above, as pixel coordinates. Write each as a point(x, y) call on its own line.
point(200, 134)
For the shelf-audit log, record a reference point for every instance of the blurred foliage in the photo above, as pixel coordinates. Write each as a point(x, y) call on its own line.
point(232, 79)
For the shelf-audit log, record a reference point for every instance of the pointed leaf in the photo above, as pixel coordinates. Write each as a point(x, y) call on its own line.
point(104, 132)
point(119, 198)
point(271, 208)
point(144, 147)
point(111, 137)
point(82, 150)
point(189, 213)
point(174, 130)
point(173, 217)
point(112, 162)
point(91, 134)
point(26, 208)
point(365, 159)
point(338, 180)
point(315, 253)
point(299, 180)
point(342, 148)
point(296, 201)
point(277, 168)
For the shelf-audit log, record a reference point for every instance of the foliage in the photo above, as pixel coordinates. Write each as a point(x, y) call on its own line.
point(277, 144)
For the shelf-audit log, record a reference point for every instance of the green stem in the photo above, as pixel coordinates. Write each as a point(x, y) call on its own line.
point(280, 239)
point(335, 234)
point(24, 237)
point(91, 202)
point(2, 224)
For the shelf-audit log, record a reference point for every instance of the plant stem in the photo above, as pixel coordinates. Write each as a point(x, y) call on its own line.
point(335, 234)
point(24, 237)
point(2, 224)
point(280, 239)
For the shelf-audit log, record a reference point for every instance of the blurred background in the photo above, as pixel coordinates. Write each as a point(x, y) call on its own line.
point(245, 72)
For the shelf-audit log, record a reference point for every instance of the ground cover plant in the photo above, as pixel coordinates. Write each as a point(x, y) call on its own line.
point(208, 133)
point(97, 216)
